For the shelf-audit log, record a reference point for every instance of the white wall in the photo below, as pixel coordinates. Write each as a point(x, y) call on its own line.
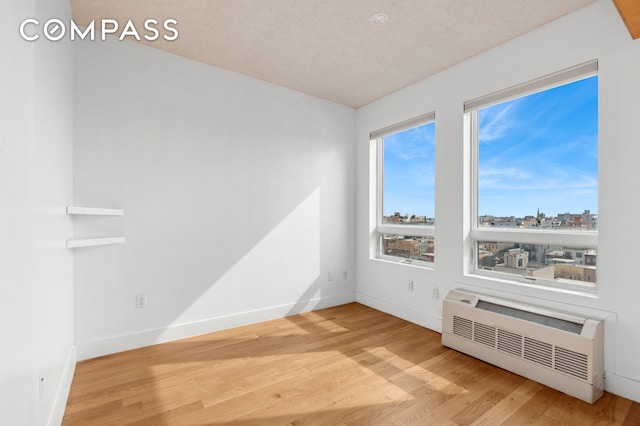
point(594, 32)
point(238, 198)
point(36, 271)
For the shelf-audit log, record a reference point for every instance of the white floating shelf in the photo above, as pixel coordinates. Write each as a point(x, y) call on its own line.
point(94, 211)
point(89, 242)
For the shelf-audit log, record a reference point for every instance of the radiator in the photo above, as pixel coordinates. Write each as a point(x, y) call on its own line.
point(559, 350)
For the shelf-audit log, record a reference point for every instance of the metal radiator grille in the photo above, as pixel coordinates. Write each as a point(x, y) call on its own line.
point(484, 334)
point(538, 352)
point(572, 363)
point(510, 343)
point(462, 327)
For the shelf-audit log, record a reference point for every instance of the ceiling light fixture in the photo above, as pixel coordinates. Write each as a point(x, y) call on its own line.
point(379, 19)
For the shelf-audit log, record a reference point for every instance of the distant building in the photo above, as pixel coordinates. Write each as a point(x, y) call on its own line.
point(585, 220)
point(494, 247)
point(507, 222)
point(589, 274)
point(516, 258)
point(575, 273)
point(546, 273)
point(398, 218)
point(420, 248)
point(571, 256)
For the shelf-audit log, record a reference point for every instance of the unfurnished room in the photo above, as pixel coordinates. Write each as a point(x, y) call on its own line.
point(319, 212)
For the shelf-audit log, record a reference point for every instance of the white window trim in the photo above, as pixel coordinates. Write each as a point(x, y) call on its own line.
point(381, 229)
point(575, 73)
point(580, 239)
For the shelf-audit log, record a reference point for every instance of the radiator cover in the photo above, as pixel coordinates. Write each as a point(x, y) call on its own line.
point(560, 350)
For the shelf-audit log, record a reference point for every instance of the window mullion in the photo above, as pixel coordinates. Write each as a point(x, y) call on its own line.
point(406, 230)
point(573, 239)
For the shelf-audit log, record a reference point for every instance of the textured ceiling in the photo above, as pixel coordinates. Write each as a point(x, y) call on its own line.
point(329, 48)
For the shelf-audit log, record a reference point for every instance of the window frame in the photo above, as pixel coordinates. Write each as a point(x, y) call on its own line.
point(381, 229)
point(566, 238)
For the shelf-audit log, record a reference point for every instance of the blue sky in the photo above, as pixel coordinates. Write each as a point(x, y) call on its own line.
point(535, 152)
point(409, 171)
point(540, 152)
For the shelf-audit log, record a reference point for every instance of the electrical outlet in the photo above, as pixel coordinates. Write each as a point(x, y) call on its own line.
point(410, 285)
point(329, 276)
point(434, 292)
point(141, 301)
point(345, 274)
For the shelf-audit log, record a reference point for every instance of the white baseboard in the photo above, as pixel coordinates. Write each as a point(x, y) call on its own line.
point(622, 386)
point(62, 395)
point(100, 347)
point(420, 318)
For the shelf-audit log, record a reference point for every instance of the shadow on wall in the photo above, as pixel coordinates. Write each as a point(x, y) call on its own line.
point(236, 196)
point(212, 287)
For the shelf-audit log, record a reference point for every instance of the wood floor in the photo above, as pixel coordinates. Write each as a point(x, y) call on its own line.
point(348, 365)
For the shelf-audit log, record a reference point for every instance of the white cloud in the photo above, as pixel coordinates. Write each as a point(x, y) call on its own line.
point(495, 124)
point(411, 144)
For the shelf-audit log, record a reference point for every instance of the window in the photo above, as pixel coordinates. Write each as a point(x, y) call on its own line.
point(404, 182)
point(535, 180)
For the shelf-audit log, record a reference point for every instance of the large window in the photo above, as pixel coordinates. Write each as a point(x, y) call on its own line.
point(405, 174)
point(535, 180)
